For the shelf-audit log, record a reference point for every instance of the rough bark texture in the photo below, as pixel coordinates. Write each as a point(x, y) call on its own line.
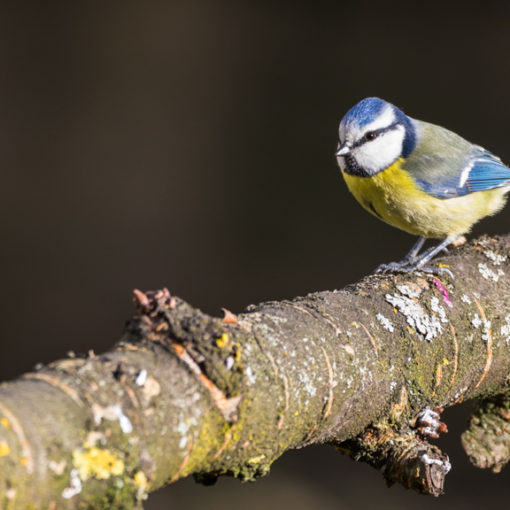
point(184, 393)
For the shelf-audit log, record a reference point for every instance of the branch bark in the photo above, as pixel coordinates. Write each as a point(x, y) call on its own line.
point(365, 369)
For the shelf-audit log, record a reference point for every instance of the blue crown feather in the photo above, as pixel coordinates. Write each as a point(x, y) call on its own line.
point(365, 112)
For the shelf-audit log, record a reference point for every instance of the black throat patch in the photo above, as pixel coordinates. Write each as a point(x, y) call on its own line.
point(352, 167)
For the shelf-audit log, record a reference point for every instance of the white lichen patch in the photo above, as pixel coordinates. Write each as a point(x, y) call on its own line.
point(476, 321)
point(427, 325)
point(57, 467)
point(438, 308)
point(458, 394)
point(348, 349)
point(74, 485)
point(141, 378)
point(385, 322)
point(308, 385)
point(446, 464)
point(112, 413)
point(229, 363)
point(431, 418)
point(277, 319)
point(486, 333)
point(505, 330)
point(495, 257)
point(252, 379)
point(410, 290)
point(465, 299)
point(489, 274)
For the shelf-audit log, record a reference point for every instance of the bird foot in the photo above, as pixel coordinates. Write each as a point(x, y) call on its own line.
point(414, 262)
point(408, 266)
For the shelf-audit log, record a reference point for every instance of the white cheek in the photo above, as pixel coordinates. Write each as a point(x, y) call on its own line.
point(380, 153)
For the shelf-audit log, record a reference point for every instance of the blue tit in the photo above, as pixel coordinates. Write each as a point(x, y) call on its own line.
point(418, 177)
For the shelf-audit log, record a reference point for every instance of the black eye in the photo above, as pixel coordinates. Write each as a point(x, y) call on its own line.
point(371, 135)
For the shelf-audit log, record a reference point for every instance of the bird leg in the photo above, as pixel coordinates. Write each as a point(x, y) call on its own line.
point(413, 261)
point(413, 252)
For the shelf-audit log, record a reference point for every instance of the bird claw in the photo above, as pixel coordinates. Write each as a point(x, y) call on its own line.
point(437, 270)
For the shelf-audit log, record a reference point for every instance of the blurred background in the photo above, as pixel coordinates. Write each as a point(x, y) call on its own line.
point(190, 145)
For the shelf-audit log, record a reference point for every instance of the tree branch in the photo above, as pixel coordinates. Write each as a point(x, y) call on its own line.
point(364, 369)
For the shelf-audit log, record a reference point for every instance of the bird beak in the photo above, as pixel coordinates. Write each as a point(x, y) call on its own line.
point(343, 150)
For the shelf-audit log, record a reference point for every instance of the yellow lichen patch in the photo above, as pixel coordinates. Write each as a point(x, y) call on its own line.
point(239, 350)
point(4, 449)
point(97, 463)
point(5, 422)
point(222, 341)
point(256, 460)
point(140, 479)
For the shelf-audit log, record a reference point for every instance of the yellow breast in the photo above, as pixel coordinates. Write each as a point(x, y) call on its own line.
point(393, 196)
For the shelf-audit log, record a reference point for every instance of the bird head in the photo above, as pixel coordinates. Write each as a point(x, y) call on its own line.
point(373, 134)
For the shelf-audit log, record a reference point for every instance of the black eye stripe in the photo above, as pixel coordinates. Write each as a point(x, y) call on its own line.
point(376, 132)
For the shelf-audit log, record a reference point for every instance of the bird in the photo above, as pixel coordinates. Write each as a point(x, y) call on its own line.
point(419, 177)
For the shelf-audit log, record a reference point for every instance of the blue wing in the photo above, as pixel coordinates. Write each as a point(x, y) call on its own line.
point(481, 170)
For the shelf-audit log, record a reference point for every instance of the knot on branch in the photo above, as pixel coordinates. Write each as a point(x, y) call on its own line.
point(487, 440)
point(402, 457)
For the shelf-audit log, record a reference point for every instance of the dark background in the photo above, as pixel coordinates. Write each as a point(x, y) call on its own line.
point(190, 145)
